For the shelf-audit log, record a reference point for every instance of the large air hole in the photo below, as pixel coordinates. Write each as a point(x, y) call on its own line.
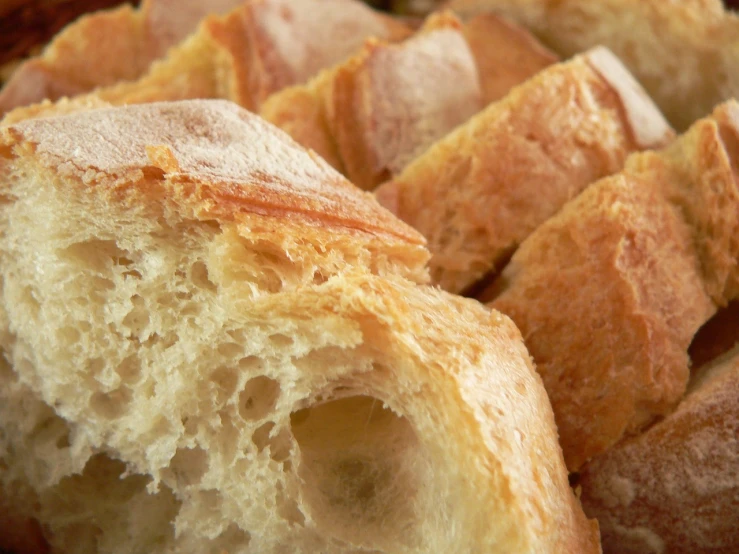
point(259, 396)
point(362, 468)
point(718, 335)
point(189, 465)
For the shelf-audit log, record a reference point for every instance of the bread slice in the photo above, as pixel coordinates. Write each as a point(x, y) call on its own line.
point(684, 53)
point(479, 191)
point(506, 54)
point(250, 53)
point(683, 469)
point(211, 355)
point(610, 292)
point(373, 114)
point(105, 47)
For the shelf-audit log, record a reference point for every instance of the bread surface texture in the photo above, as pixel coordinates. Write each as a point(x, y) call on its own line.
point(684, 53)
point(682, 469)
point(480, 190)
point(106, 47)
point(373, 113)
point(246, 55)
point(211, 355)
point(610, 292)
point(506, 54)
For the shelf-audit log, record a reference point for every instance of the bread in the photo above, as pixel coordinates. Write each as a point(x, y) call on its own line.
point(684, 53)
point(249, 53)
point(374, 113)
point(26, 25)
point(506, 54)
point(675, 488)
point(609, 293)
point(479, 191)
point(105, 47)
point(215, 347)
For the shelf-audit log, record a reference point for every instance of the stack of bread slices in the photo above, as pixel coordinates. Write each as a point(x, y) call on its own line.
point(299, 276)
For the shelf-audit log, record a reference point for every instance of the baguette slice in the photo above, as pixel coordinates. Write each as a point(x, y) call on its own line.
point(105, 47)
point(683, 469)
point(684, 53)
point(610, 292)
point(479, 191)
point(506, 54)
point(374, 113)
point(209, 356)
point(249, 53)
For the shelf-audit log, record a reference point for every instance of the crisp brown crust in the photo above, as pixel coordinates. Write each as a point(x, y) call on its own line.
point(27, 25)
point(205, 182)
point(372, 114)
point(674, 488)
point(244, 56)
point(506, 54)
point(376, 112)
point(610, 292)
point(683, 53)
point(103, 48)
point(295, 40)
point(478, 192)
point(213, 155)
point(608, 295)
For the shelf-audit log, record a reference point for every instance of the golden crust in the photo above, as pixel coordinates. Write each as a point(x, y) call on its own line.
point(506, 54)
point(218, 160)
point(417, 348)
point(496, 397)
point(249, 53)
point(610, 292)
point(372, 114)
point(479, 191)
point(103, 48)
point(684, 53)
point(675, 487)
point(376, 112)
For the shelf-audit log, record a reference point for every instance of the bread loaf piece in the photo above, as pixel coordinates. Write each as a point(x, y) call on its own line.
point(27, 25)
point(479, 191)
point(373, 114)
point(684, 53)
point(610, 292)
point(250, 53)
point(675, 488)
point(212, 351)
point(370, 115)
point(105, 47)
point(506, 54)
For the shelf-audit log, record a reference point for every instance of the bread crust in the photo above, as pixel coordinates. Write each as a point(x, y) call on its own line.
point(479, 191)
point(376, 112)
point(459, 422)
point(683, 53)
point(245, 55)
point(300, 184)
point(103, 48)
point(506, 54)
point(610, 292)
point(674, 488)
point(373, 113)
